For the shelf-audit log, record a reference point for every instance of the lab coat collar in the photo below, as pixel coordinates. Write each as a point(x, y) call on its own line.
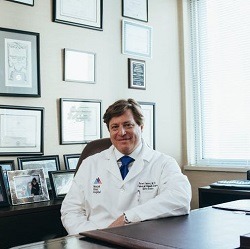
point(145, 155)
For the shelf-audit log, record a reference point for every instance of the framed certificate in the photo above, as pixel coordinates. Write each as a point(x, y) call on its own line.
point(80, 121)
point(135, 9)
point(26, 2)
point(81, 13)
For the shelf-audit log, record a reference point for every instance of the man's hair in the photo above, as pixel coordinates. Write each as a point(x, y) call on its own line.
point(119, 107)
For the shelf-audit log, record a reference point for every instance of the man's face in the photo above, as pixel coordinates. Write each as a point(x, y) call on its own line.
point(125, 133)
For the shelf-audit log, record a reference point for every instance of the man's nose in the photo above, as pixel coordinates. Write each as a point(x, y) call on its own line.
point(121, 131)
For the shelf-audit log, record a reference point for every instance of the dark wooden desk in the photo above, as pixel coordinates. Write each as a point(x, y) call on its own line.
point(29, 223)
point(210, 196)
point(205, 228)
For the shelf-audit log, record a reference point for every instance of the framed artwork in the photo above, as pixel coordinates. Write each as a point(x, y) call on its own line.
point(4, 201)
point(148, 133)
point(80, 121)
point(81, 13)
point(79, 66)
point(136, 39)
point(135, 9)
point(61, 182)
point(19, 63)
point(21, 130)
point(7, 165)
point(136, 74)
point(26, 2)
point(71, 160)
point(27, 186)
point(47, 163)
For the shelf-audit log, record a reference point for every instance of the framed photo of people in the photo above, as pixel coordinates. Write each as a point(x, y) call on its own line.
point(19, 63)
point(135, 9)
point(27, 186)
point(61, 182)
point(7, 165)
point(148, 133)
point(47, 163)
point(136, 74)
point(81, 13)
point(71, 160)
point(80, 120)
point(21, 130)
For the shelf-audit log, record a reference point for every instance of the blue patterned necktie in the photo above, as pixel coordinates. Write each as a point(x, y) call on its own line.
point(126, 160)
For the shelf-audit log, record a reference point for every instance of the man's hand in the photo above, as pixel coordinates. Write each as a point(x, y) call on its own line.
point(118, 222)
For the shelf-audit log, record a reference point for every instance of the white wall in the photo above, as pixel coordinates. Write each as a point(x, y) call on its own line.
point(162, 71)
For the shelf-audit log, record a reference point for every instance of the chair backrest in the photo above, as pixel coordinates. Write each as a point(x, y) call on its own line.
point(94, 147)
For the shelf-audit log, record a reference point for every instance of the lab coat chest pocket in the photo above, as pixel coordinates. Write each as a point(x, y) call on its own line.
point(147, 190)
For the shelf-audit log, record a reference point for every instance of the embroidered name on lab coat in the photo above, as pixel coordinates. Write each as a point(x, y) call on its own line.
point(147, 186)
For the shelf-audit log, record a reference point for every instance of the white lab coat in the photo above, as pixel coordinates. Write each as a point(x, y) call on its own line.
point(153, 188)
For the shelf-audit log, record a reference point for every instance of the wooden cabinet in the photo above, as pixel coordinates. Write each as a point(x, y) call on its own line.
point(210, 196)
point(30, 223)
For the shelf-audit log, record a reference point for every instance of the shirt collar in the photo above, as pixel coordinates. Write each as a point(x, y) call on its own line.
point(134, 154)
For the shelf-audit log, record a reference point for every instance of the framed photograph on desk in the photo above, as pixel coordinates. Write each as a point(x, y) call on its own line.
point(4, 201)
point(27, 186)
point(47, 163)
point(7, 165)
point(71, 160)
point(81, 13)
point(21, 130)
point(19, 63)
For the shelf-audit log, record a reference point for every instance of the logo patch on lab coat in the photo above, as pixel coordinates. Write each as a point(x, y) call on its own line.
point(97, 186)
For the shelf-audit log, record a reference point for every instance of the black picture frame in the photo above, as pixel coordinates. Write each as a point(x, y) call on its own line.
point(19, 63)
point(22, 132)
point(48, 163)
point(25, 2)
point(80, 120)
point(148, 134)
point(137, 74)
point(4, 201)
point(78, 13)
point(59, 179)
point(71, 160)
point(135, 9)
point(7, 165)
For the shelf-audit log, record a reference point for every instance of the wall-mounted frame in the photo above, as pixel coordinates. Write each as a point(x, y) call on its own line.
point(26, 2)
point(135, 9)
point(148, 133)
point(21, 130)
point(4, 201)
point(79, 66)
point(136, 74)
point(7, 165)
point(81, 13)
point(48, 163)
point(61, 182)
point(71, 160)
point(136, 39)
point(80, 121)
point(27, 186)
point(19, 63)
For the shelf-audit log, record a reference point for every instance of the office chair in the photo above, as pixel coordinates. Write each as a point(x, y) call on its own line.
point(92, 148)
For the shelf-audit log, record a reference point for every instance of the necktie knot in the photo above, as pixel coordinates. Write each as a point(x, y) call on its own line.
point(126, 160)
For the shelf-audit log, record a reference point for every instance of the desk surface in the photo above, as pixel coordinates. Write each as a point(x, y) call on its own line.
point(203, 228)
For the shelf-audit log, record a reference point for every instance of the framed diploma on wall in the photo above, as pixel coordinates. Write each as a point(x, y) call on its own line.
point(135, 9)
point(26, 2)
point(81, 13)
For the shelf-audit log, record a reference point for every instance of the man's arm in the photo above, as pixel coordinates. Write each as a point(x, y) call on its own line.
point(74, 217)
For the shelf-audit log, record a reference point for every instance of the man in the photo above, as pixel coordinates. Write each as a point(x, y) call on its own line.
point(154, 186)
